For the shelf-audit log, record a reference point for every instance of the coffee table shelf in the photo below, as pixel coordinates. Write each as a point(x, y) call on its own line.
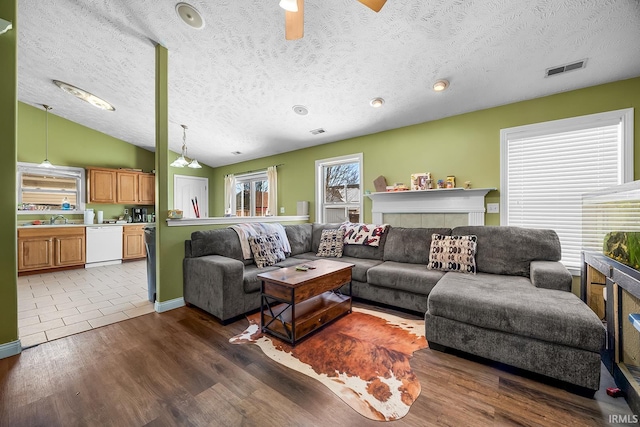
point(296, 303)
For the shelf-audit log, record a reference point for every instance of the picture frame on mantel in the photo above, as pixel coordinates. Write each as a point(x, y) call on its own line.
point(421, 181)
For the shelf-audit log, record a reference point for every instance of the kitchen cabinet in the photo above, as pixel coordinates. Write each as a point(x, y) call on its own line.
point(146, 189)
point(102, 186)
point(127, 188)
point(133, 242)
point(118, 186)
point(50, 247)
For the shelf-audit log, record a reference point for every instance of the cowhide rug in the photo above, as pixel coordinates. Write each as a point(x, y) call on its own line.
point(362, 357)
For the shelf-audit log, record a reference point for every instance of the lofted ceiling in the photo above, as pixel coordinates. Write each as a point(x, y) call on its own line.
point(235, 81)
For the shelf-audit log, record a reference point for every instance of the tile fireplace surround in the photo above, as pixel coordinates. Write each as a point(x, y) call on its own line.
point(430, 208)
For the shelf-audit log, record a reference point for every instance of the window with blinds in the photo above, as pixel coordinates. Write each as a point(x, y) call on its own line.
point(546, 168)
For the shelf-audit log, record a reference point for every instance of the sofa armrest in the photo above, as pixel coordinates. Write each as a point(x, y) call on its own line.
point(214, 284)
point(550, 275)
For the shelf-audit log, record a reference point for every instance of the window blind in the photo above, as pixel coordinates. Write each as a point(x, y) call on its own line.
point(547, 175)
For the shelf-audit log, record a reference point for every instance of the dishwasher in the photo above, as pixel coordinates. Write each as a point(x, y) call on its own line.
point(104, 245)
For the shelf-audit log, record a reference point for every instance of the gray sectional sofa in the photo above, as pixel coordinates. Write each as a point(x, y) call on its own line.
point(518, 309)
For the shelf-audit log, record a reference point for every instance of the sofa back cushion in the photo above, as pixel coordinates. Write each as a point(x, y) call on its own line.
point(510, 250)
point(221, 241)
point(410, 245)
point(299, 236)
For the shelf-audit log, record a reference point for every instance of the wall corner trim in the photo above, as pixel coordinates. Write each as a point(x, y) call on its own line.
point(10, 349)
point(163, 306)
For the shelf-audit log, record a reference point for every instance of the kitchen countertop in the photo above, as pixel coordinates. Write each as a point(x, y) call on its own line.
point(45, 225)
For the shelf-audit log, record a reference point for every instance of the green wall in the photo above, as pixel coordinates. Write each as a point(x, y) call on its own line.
point(8, 141)
point(467, 146)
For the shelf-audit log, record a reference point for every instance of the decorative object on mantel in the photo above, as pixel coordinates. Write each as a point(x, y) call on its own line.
point(46, 163)
point(441, 183)
point(376, 379)
point(467, 185)
point(451, 181)
point(398, 186)
point(380, 184)
point(182, 161)
point(421, 181)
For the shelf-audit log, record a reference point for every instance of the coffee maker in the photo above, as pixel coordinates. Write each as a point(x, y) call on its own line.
point(139, 214)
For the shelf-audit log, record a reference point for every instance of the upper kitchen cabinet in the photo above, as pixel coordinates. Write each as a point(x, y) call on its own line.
point(147, 189)
point(118, 186)
point(101, 186)
point(127, 189)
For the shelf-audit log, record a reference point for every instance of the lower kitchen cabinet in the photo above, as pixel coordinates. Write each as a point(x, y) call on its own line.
point(50, 247)
point(133, 242)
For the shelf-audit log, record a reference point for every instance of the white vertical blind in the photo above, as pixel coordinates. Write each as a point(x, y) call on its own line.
point(547, 173)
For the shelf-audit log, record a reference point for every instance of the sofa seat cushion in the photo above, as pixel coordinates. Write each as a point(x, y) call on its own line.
point(404, 277)
point(250, 281)
point(513, 305)
point(360, 265)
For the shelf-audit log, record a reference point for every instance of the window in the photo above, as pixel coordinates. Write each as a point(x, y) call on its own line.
point(40, 189)
point(252, 194)
point(339, 189)
point(547, 167)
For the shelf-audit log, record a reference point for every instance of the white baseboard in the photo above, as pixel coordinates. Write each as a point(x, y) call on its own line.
point(10, 349)
point(161, 307)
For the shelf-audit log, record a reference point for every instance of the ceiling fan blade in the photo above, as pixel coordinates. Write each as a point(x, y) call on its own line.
point(294, 23)
point(374, 5)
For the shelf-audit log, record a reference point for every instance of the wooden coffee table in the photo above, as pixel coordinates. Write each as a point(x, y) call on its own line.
point(296, 303)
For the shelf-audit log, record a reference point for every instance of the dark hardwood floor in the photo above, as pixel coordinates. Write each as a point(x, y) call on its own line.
point(178, 368)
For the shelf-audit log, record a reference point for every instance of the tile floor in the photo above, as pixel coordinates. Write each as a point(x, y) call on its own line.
point(55, 305)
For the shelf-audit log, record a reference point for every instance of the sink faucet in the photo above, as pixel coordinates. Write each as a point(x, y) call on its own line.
point(54, 218)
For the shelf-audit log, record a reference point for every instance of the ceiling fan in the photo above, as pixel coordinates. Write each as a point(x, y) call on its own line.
point(294, 15)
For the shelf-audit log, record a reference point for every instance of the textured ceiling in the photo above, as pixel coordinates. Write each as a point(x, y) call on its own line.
point(234, 82)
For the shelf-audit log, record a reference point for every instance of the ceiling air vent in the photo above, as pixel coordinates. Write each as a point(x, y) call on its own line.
point(564, 68)
point(317, 131)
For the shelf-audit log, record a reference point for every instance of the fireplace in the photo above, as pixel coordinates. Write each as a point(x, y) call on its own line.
point(430, 208)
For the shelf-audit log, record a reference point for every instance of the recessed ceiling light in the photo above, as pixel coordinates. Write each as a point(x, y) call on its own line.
point(236, 153)
point(85, 96)
point(300, 110)
point(376, 102)
point(440, 85)
point(190, 15)
point(317, 131)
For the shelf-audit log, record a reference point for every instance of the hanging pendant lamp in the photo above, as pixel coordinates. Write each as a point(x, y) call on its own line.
point(46, 163)
point(183, 161)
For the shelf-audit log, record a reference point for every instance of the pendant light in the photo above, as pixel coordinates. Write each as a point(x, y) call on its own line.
point(183, 161)
point(289, 5)
point(46, 163)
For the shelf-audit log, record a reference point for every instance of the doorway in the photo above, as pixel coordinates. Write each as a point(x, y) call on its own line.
point(190, 195)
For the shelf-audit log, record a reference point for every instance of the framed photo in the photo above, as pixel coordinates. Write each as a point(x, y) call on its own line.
point(421, 181)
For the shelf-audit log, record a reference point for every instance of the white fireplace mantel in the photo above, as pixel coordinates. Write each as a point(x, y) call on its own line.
point(446, 200)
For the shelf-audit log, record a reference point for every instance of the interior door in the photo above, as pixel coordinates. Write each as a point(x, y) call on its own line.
point(190, 190)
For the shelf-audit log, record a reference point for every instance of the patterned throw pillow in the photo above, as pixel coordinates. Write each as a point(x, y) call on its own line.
point(363, 234)
point(331, 243)
point(267, 249)
point(453, 253)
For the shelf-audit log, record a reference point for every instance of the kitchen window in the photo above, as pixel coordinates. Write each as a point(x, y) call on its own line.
point(42, 190)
